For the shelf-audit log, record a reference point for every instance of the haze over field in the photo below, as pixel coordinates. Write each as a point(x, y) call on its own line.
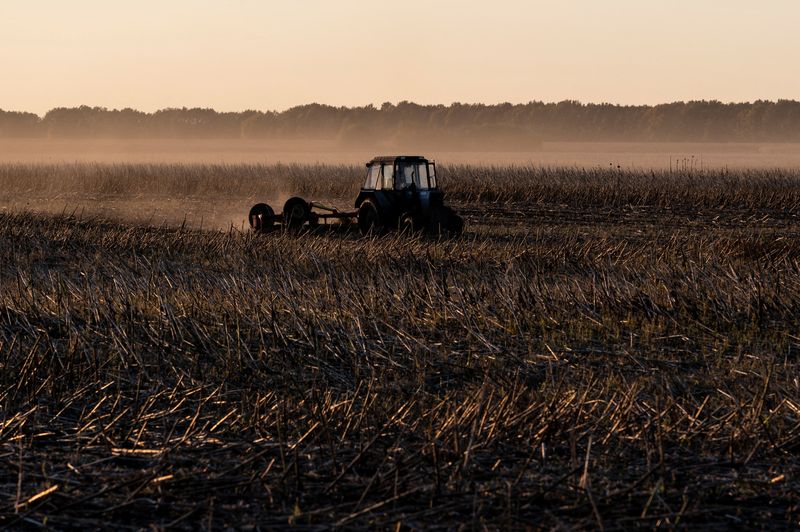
point(693, 156)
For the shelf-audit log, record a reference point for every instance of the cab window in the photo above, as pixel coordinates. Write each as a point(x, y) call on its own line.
point(422, 175)
point(372, 176)
point(388, 176)
point(405, 176)
point(412, 173)
point(432, 174)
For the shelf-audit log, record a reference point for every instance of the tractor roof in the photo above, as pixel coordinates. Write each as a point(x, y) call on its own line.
point(397, 158)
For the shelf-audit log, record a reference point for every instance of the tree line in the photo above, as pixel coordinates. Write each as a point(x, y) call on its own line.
point(510, 126)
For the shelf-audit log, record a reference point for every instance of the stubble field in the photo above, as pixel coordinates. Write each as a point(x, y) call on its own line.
point(602, 348)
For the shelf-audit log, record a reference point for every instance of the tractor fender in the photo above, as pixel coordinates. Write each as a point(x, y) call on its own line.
point(381, 200)
point(362, 195)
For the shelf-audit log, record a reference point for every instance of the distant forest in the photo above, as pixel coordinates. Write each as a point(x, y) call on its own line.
point(468, 126)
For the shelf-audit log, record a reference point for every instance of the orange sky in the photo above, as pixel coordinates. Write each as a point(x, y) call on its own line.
point(249, 54)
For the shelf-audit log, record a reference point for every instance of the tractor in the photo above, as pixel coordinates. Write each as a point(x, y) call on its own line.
point(399, 192)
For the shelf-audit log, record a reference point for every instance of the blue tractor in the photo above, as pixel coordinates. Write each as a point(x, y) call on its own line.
point(399, 193)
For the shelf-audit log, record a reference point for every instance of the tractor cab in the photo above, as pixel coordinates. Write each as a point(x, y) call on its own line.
point(400, 173)
point(403, 182)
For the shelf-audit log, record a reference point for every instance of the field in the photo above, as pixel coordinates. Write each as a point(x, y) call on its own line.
point(603, 348)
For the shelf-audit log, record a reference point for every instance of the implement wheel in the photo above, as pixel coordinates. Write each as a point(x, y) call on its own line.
point(296, 212)
point(261, 217)
point(369, 219)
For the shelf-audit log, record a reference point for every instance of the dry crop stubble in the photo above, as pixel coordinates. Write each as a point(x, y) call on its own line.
point(615, 358)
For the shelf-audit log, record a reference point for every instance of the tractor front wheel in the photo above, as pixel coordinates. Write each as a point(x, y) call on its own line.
point(455, 224)
point(445, 222)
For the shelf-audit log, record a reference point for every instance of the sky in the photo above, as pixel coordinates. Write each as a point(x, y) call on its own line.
point(234, 55)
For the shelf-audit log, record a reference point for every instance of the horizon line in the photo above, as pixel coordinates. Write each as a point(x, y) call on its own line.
point(400, 102)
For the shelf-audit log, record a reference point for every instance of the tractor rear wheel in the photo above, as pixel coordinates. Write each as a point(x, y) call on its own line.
point(369, 219)
point(296, 212)
point(261, 218)
point(455, 224)
point(407, 225)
